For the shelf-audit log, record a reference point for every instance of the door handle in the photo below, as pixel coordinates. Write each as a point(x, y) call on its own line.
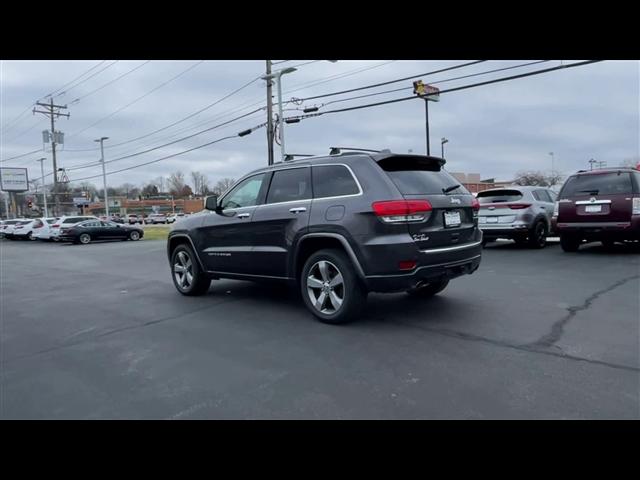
point(543, 207)
point(297, 209)
point(243, 215)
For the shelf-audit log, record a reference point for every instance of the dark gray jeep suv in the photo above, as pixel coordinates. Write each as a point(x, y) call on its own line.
point(338, 226)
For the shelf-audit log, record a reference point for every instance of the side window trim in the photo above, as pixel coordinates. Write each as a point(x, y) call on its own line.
point(260, 198)
point(273, 172)
point(351, 172)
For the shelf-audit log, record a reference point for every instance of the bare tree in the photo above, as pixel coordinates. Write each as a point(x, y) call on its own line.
point(176, 183)
point(537, 178)
point(127, 188)
point(200, 183)
point(223, 185)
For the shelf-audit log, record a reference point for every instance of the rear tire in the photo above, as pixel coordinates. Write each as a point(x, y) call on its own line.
point(570, 243)
point(330, 287)
point(188, 277)
point(429, 289)
point(84, 238)
point(538, 235)
point(135, 236)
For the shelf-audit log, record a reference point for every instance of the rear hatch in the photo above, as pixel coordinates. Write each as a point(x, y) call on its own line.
point(451, 219)
point(499, 207)
point(597, 197)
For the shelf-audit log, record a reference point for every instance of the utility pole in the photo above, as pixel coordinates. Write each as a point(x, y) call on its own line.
point(53, 111)
point(552, 162)
point(269, 115)
point(591, 162)
point(104, 174)
point(44, 189)
point(442, 142)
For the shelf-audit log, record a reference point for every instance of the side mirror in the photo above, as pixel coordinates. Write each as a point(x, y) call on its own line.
point(211, 203)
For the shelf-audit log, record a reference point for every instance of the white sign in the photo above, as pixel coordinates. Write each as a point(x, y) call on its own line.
point(14, 180)
point(80, 201)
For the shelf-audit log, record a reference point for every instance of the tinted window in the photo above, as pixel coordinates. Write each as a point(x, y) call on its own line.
point(245, 194)
point(290, 185)
point(417, 175)
point(548, 196)
point(499, 196)
point(333, 181)
point(597, 184)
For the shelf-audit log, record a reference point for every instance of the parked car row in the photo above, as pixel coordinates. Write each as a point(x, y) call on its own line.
point(75, 229)
point(597, 205)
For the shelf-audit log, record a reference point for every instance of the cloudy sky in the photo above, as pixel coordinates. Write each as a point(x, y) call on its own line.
point(495, 130)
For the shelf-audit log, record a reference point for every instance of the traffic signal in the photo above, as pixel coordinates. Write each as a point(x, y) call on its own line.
point(30, 204)
point(419, 87)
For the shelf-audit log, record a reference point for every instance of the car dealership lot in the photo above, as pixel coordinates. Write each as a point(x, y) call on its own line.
point(98, 331)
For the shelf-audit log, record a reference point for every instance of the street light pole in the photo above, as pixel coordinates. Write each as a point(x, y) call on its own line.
point(44, 189)
point(104, 174)
point(269, 115)
point(442, 142)
point(552, 163)
point(278, 76)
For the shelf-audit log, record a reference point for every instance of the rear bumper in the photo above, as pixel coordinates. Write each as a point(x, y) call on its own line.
point(600, 230)
point(504, 231)
point(434, 264)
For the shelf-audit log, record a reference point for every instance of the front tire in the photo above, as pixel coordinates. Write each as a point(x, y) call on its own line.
point(135, 236)
point(188, 277)
point(569, 243)
point(84, 239)
point(429, 289)
point(330, 287)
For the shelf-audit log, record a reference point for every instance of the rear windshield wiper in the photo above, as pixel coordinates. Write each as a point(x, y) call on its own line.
point(449, 189)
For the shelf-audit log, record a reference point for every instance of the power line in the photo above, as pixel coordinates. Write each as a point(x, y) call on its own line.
point(110, 82)
point(454, 89)
point(20, 156)
point(166, 144)
point(177, 122)
point(396, 81)
point(240, 134)
point(237, 109)
point(437, 82)
point(70, 82)
point(137, 99)
point(85, 80)
point(5, 127)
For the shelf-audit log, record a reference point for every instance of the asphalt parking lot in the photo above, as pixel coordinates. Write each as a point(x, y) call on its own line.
point(99, 332)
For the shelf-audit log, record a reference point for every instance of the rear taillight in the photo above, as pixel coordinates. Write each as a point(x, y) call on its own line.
point(556, 209)
point(636, 206)
point(55, 226)
point(518, 206)
point(400, 211)
point(475, 205)
point(37, 226)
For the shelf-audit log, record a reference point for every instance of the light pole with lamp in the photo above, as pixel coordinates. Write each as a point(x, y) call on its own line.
point(44, 189)
point(278, 76)
point(104, 174)
point(552, 163)
point(442, 142)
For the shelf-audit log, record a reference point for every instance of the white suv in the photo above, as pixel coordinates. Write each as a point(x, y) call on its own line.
point(66, 222)
point(42, 228)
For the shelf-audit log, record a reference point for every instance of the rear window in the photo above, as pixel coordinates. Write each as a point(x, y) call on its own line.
point(418, 175)
point(74, 219)
point(597, 184)
point(11, 222)
point(499, 196)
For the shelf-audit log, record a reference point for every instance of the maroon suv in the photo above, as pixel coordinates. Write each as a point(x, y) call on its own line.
point(599, 205)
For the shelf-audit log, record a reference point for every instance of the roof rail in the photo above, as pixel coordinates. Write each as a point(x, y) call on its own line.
point(338, 150)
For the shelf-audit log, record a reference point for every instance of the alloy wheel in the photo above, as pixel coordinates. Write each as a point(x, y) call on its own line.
point(325, 287)
point(183, 270)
